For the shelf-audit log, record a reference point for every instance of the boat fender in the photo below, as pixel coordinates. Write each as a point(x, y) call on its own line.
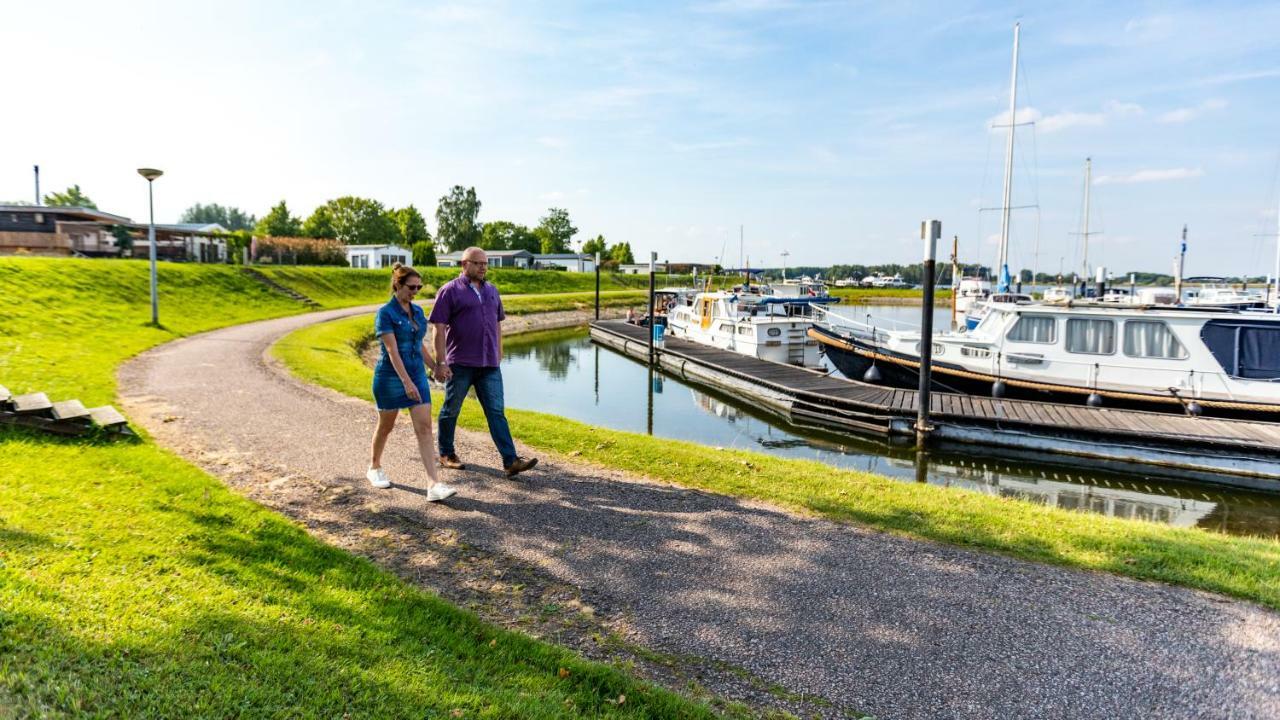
point(1194, 409)
point(1094, 400)
point(872, 375)
point(998, 389)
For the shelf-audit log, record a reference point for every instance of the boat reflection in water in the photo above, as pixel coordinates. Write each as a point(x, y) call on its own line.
point(1045, 487)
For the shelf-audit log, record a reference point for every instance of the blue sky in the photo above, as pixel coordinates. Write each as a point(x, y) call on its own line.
point(828, 129)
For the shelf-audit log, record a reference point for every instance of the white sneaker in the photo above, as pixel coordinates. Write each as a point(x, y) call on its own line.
point(439, 492)
point(378, 478)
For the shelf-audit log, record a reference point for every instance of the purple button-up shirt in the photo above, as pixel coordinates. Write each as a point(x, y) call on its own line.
point(472, 316)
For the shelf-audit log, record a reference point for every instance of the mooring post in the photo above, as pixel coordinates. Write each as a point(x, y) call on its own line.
point(930, 231)
point(653, 325)
point(597, 286)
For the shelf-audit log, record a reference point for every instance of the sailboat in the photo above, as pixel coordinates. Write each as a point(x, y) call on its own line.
point(971, 300)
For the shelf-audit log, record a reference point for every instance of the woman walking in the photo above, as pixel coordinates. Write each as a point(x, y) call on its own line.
point(400, 379)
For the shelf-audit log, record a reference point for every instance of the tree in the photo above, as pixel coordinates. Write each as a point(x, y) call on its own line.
point(457, 226)
point(279, 223)
point(357, 221)
point(555, 231)
point(504, 235)
point(320, 224)
point(424, 254)
point(621, 254)
point(596, 245)
point(124, 239)
point(412, 228)
point(228, 217)
point(71, 197)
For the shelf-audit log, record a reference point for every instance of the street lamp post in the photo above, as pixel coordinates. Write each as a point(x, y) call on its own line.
point(151, 174)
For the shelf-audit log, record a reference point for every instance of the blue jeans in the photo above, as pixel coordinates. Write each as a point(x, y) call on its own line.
point(488, 384)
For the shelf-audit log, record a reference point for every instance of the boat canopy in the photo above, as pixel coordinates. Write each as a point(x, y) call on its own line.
point(1244, 349)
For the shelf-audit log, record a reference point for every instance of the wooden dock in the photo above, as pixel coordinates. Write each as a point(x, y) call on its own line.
point(1231, 452)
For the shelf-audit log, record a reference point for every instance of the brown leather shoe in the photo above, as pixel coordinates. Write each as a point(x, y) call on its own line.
point(452, 462)
point(519, 465)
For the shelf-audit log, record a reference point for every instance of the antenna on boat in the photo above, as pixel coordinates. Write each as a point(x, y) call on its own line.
point(1182, 258)
point(1002, 265)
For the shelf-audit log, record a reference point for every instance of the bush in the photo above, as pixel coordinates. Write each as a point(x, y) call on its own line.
point(300, 251)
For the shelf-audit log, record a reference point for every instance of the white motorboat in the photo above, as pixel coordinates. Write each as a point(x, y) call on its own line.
point(1152, 357)
point(970, 291)
point(761, 326)
point(1218, 293)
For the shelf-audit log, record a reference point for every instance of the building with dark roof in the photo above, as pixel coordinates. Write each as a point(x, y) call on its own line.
point(87, 232)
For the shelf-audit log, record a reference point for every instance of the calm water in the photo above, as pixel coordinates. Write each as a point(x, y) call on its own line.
point(565, 374)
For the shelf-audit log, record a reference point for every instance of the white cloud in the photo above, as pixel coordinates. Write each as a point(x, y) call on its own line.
point(1066, 120)
point(553, 195)
point(1181, 115)
point(557, 143)
point(1143, 176)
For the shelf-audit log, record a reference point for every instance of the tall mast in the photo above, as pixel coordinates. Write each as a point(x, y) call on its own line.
point(1002, 264)
point(1088, 169)
point(1276, 273)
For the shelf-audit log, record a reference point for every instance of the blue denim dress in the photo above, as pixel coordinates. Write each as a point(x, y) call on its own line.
point(388, 391)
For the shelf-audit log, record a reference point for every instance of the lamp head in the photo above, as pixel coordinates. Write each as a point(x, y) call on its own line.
point(150, 173)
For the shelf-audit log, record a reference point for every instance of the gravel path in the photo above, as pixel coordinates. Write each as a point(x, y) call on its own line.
point(864, 621)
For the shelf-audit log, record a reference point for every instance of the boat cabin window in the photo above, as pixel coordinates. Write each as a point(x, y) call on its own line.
point(1152, 339)
point(972, 351)
point(1243, 348)
point(1091, 336)
point(1034, 329)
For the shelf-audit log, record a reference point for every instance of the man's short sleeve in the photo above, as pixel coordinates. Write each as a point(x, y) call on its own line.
point(382, 324)
point(442, 309)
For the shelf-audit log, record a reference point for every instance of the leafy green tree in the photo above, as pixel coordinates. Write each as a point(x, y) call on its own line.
point(555, 232)
point(457, 223)
point(504, 235)
point(320, 224)
point(621, 254)
point(228, 217)
point(71, 197)
point(279, 223)
point(358, 221)
point(412, 228)
point(596, 245)
point(124, 239)
point(424, 254)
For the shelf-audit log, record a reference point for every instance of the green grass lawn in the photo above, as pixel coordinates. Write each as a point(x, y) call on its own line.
point(133, 584)
point(344, 287)
point(871, 295)
point(1240, 566)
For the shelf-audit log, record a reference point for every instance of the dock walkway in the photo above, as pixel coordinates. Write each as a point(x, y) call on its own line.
point(1233, 452)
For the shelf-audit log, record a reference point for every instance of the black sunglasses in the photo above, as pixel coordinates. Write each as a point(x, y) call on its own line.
point(414, 288)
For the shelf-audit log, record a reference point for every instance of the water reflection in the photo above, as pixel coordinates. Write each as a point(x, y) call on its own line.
point(552, 374)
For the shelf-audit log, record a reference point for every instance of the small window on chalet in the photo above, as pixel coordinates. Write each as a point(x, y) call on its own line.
point(39, 218)
point(1091, 337)
point(1034, 329)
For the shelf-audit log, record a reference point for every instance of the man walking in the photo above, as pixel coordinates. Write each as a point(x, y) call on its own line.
point(467, 322)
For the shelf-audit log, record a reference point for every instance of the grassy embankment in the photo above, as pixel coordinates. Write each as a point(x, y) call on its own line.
point(133, 584)
point(890, 296)
point(344, 287)
point(1240, 566)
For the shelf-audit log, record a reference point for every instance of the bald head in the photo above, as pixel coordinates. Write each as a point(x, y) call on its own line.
point(475, 263)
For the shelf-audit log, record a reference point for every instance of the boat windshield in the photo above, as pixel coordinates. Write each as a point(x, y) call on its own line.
point(1244, 349)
